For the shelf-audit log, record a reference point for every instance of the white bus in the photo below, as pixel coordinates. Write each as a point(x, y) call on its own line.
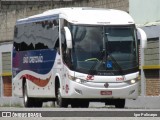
point(76, 55)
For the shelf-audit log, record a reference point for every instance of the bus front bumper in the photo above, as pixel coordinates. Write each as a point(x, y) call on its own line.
point(99, 91)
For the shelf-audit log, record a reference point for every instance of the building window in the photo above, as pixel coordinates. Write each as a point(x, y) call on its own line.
point(6, 74)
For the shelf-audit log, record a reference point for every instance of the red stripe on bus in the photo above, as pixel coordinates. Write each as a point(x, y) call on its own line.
point(35, 80)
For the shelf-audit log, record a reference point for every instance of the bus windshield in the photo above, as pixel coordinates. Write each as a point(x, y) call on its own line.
point(104, 49)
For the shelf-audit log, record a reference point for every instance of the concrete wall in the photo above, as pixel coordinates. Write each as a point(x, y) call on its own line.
point(152, 72)
point(151, 66)
point(11, 11)
point(152, 52)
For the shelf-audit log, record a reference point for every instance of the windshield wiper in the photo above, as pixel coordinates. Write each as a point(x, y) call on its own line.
point(105, 53)
point(92, 70)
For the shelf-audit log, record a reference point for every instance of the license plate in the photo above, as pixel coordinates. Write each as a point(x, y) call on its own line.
point(106, 92)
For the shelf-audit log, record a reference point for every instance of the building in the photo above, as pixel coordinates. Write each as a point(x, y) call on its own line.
point(5, 55)
point(146, 14)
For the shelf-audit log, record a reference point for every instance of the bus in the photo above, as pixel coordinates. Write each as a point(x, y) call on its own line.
point(75, 56)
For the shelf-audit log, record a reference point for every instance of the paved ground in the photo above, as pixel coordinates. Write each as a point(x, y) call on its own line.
point(139, 103)
point(144, 102)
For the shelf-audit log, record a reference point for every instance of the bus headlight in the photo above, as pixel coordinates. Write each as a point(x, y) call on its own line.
point(78, 80)
point(81, 81)
point(133, 81)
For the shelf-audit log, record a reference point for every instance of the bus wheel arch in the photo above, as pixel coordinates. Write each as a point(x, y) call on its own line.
point(26, 100)
point(25, 93)
point(23, 85)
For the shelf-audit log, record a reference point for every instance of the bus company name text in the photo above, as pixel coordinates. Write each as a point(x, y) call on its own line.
point(21, 114)
point(33, 59)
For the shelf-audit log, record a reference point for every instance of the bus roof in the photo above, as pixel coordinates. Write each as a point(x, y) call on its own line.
point(96, 16)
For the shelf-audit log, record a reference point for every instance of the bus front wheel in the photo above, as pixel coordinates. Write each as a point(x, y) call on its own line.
point(61, 102)
point(120, 103)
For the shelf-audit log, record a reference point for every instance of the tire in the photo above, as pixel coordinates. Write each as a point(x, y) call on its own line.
point(84, 104)
point(80, 104)
point(61, 102)
point(75, 105)
point(120, 103)
point(28, 102)
point(37, 103)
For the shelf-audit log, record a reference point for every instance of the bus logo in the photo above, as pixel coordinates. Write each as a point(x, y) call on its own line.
point(90, 77)
point(106, 85)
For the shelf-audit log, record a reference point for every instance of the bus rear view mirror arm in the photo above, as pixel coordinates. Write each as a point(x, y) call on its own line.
point(143, 38)
point(68, 37)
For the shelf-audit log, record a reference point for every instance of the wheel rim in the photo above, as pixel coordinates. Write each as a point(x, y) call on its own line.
point(60, 101)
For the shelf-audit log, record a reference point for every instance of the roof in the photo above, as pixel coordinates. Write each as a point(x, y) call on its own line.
point(85, 15)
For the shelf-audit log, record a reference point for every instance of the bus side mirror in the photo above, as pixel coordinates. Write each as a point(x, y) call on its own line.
point(143, 38)
point(68, 37)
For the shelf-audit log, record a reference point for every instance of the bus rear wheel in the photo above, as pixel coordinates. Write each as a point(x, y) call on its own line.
point(28, 102)
point(37, 103)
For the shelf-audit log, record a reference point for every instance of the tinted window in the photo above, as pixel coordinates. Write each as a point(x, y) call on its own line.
point(37, 35)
